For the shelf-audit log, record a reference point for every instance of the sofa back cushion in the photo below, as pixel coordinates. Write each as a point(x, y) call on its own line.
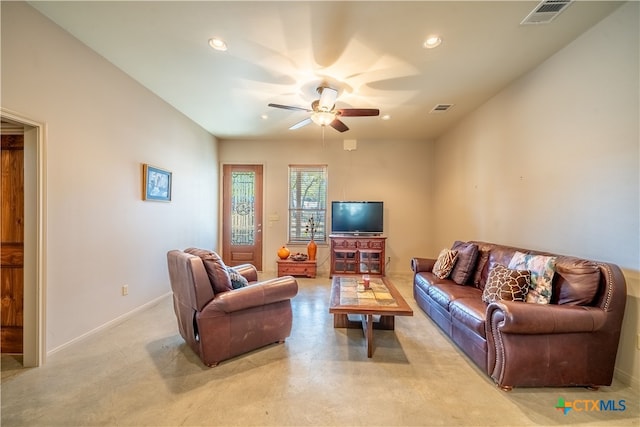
point(488, 256)
point(216, 270)
point(576, 281)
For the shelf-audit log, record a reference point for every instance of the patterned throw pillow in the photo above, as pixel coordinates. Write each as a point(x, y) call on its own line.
point(237, 280)
point(445, 262)
point(542, 269)
point(505, 284)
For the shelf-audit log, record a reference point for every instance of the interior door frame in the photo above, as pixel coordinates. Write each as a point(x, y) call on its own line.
point(34, 331)
point(260, 219)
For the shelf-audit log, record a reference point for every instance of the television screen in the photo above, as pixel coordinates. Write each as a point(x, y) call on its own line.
point(356, 217)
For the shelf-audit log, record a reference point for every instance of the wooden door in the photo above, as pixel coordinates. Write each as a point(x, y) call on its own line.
point(242, 215)
point(12, 242)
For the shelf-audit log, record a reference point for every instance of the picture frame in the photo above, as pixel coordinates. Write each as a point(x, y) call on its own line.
point(156, 183)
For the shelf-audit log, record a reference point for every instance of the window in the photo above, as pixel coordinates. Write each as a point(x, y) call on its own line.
point(307, 200)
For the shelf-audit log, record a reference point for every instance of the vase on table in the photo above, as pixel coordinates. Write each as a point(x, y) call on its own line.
point(283, 252)
point(312, 248)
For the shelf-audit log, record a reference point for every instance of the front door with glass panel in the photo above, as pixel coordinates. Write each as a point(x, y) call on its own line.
point(242, 215)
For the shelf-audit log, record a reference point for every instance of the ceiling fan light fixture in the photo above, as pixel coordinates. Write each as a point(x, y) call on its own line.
point(218, 44)
point(432, 41)
point(323, 118)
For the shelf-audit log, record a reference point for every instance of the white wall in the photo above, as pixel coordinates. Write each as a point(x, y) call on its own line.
point(552, 163)
point(397, 172)
point(101, 126)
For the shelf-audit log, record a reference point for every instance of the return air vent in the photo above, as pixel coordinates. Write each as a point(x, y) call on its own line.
point(441, 108)
point(546, 12)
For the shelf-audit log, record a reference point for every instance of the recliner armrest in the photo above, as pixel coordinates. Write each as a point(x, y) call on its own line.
point(248, 271)
point(258, 294)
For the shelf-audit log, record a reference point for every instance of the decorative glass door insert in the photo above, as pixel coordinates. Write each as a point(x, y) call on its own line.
point(242, 215)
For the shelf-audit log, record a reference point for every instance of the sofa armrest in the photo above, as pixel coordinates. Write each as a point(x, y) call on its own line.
point(422, 264)
point(523, 318)
point(248, 271)
point(256, 295)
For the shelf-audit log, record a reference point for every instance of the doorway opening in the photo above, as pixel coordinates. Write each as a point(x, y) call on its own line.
point(30, 311)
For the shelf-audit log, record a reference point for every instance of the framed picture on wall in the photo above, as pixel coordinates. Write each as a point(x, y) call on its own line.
point(157, 184)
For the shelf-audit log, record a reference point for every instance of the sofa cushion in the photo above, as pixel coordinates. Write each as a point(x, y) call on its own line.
point(467, 256)
point(445, 291)
point(505, 284)
point(481, 265)
point(237, 279)
point(542, 269)
point(422, 281)
point(471, 312)
point(576, 282)
point(490, 256)
point(216, 270)
point(445, 262)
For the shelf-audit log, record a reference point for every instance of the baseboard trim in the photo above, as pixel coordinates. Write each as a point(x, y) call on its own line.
point(627, 379)
point(111, 323)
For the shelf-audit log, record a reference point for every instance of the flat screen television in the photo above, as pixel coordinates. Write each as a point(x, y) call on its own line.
point(356, 217)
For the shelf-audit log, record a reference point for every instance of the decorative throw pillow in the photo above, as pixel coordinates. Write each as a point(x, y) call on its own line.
point(445, 262)
point(467, 255)
point(237, 279)
point(542, 269)
point(215, 268)
point(505, 284)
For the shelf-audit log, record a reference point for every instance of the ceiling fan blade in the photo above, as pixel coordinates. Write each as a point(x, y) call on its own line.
point(358, 112)
point(339, 126)
point(301, 123)
point(328, 98)
point(290, 107)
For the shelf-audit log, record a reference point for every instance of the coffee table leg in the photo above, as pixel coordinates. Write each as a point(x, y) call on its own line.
point(367, 327)
point(340, 320)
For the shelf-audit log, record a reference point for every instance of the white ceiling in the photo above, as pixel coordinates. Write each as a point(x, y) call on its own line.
point(280, 51)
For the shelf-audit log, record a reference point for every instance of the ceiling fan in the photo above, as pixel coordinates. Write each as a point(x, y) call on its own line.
point(324, 112)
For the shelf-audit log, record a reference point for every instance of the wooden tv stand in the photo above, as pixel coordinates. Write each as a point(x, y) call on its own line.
point(351, 254)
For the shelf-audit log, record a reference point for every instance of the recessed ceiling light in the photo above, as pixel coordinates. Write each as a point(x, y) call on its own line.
point(217, 44)
point(264, 117)
point(432, 41)
point(385, 117)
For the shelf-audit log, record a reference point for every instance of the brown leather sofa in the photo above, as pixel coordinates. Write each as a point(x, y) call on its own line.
point(572, 341)
point(218, 321)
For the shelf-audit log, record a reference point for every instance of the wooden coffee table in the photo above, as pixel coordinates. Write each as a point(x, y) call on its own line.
point(348, 296)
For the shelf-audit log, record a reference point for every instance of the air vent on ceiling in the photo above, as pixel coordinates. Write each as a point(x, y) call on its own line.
point(546, 11)
point(441, 108)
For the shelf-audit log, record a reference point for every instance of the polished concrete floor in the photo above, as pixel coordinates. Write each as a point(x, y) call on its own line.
point(140, 372)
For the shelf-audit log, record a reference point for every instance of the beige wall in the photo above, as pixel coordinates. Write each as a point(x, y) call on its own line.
point(551, 163)
point(396, 172)
point(100, 127)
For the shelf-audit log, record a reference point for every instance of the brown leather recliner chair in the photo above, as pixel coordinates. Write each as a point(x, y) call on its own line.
point(219, 322)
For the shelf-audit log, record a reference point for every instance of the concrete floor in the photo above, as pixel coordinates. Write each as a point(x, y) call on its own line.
point(140, 372)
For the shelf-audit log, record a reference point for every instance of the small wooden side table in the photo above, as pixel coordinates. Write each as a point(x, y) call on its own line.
point(289, 267)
